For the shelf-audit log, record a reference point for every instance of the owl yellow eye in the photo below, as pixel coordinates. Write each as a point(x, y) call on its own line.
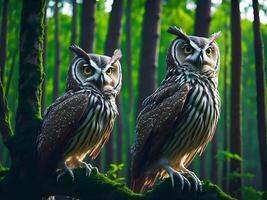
point(109, 71)
point(188, 49)
point(88, 71)
point(209, 51)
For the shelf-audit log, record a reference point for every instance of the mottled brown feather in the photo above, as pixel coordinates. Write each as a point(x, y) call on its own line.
point(59, 125)
point(153, 125)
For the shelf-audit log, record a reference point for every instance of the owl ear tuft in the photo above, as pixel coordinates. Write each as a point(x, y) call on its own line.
point(214, 36)
point(79, 51)
point(116, 56)
point(178, 32)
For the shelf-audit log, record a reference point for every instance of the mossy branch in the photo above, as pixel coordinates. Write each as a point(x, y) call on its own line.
point(99, 187)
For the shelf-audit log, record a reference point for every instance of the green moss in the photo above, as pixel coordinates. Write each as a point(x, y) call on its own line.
point(98, 186)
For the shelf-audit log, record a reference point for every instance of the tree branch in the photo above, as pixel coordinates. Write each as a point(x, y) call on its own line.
point(5, 127)
point(99, 187)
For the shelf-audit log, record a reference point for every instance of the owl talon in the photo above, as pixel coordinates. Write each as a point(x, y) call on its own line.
point(183, 180)
point(65, 171)
point(197, 183)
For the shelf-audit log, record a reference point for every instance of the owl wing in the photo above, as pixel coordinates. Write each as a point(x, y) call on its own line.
point(60, 121)
point(154, 121)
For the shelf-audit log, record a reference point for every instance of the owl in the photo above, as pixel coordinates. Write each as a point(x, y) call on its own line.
point(179, 118)
point(80, 122)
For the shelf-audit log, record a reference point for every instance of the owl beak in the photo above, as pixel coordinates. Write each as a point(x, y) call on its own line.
point(99, 82)
point(200, 60)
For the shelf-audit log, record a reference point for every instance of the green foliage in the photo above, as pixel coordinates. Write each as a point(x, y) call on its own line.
point(227, 155)
point(113, 172)
point(244, 175)
point(251, 193)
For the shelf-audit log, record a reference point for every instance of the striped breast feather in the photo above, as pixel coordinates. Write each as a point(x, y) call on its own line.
point(94, 128)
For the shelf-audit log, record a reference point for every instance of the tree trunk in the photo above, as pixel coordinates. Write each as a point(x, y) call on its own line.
point(130, 85)
point(203, 18)
point(261, 107)
point(44, 64)
point(235, 126)
point(3, 41)
point(214, 160)
point(112, 43)
point(202, 27)
point(225, 109)
point(57, 55)
point(10, 76)
point(88, 25)
point(73, 25)
point(149, 51)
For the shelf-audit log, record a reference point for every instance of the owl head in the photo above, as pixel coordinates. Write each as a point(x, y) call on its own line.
point(102, 73)
point(197, 54)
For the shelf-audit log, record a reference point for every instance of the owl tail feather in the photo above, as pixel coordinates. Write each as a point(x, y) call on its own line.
point(138, 185)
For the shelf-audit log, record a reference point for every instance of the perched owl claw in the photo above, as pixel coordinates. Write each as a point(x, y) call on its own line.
point(183, 180)
point(89, 168)
point(197, 183)
point(66, 169)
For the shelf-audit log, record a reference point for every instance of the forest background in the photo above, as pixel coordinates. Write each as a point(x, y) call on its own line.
point(88, 24)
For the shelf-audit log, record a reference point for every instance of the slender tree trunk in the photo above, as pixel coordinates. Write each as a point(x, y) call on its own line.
point(202, 27)
point(225, 109)
point(130, 85)
point(149, 51)
point(260, 81)
point(203, 18)
point(214, 160)
point(235, 126)
point(44, 64)
point(3, 40)
point(57, 55)
point(88, 25)
point(112, 43)
point(10, 76)
point(74, 25)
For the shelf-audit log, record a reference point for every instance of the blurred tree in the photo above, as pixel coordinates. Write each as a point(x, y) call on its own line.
point(214, 162)
point(43, 101)
point(57, 54)
point(202, 28)
point(149, 51)
point(261, 107)
point(225, 105)
point(3, 40)
point(203, 18)
point(112, 43)
point(129, 82)
point(11, 71)
point(73, 25)
point(235, 113)
point(88, 25)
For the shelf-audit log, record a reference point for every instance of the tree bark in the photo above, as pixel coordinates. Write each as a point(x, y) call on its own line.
point(202, 27)
point(10, 76)
point(112, 43)
point(203, 18)
point(88, 25)
point(225, 109)
point(260, 81)
point(130, 84)
point(73, 25)
point(3, 40)
point(57, 55)
point(149, 51)
point(235, 126)
point(44, 64)
point(214, 160)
